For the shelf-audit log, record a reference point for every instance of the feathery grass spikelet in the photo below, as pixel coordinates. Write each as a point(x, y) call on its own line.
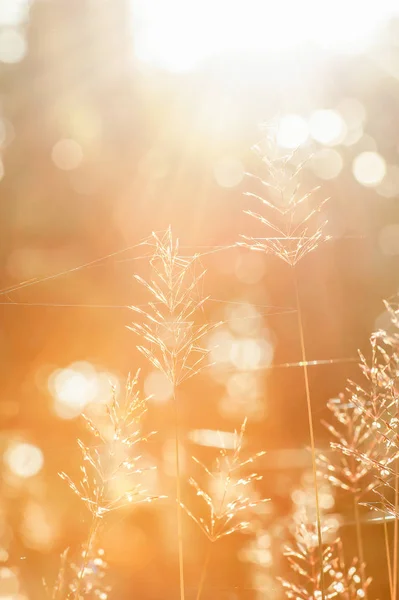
point(227, 515)
point(115, 455)
point(288, 214)
point(351, 431)
point(102, 463)
point(340, 581)
point(169, 329)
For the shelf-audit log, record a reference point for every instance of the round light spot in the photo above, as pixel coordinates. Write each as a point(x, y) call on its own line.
point(24, 460)
point(12, 46)
point(389, 239)
point(219, 343)
point(9, 584)
point(389, 187)
point(327, 127)
point(292, 131)
point(243, 318)
point(353, 136)
point(246, 354)
point(369, 168)
point(245, 385)
point(73, 388)
point(158, 386)
point(354, 115)
point(228, 172)
point(67, 154)
point(14, 12)
point(326, 163)
point(353, 112)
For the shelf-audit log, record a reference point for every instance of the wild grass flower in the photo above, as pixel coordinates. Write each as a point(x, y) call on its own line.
point(340, 581)
point(289, 215)
point(227, 513)
point(352, 434)
point(290, 218)
point(376, 403)
point(171, 336)
point(58, 591)
point(115, 455)
point(94, 584)
point(349, 430)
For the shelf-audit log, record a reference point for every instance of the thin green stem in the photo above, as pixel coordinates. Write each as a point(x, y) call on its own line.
point(311, 434)
point(178, 498)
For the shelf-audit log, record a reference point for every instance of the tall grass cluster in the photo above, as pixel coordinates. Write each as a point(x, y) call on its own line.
point(171, 333)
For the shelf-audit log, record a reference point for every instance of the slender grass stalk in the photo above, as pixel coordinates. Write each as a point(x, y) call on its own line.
point(359, 538)
point(87, 553)
point(204, 571)
point(341, 580)
point(311, 434)
point(171, 335)
point(388, 556)
point(178, 498)
point(114, 456)
point(395, 536)
point(208, 554)
point(227, 515)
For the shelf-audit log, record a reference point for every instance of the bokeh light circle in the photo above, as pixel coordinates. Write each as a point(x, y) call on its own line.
point(327, 127)
point(13, 46)
point(23, 459)
point(292, 131)
point(67, 154)
point(327, 163)
point(369, 168)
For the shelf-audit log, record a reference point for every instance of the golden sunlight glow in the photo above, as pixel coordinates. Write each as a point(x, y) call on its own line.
point(13, 13)
point(327, 163)
point(212, 438)
point(178, 35)
point(228, 172)
point(12, 46)
point(327, 127)
point(67, 154)
point(389, 186)
point(73, 388)
point(250, 268)
point(158, 386)
point(24, 460)
point(9, 584)
point(369, 168)
point(292, 131)
point(389, 242)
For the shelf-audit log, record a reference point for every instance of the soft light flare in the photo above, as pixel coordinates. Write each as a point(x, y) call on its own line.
point(24, 460)
point(178, 35)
